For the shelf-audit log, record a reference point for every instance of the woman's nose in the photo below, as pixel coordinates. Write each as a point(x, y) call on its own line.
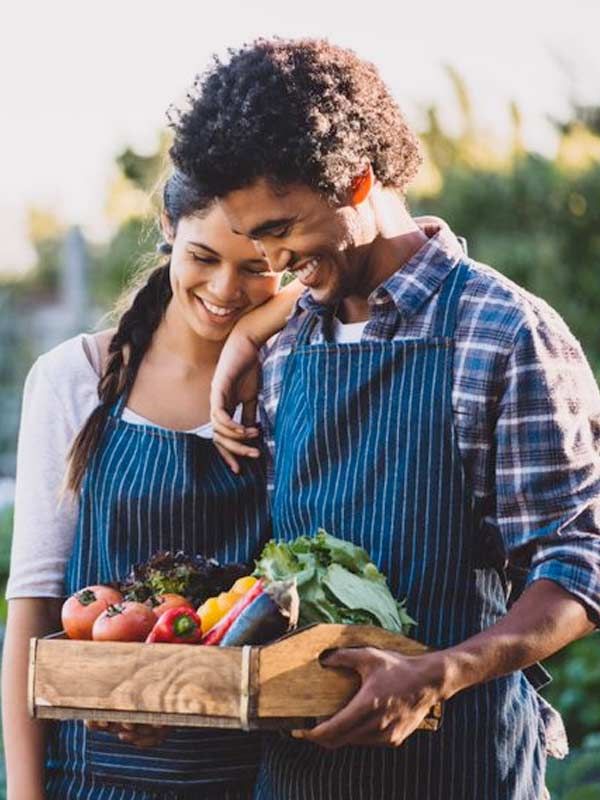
point(226, 285)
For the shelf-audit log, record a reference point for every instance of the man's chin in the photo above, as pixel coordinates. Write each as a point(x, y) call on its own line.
point(324, 295)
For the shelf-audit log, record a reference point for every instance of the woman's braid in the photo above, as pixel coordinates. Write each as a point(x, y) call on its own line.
point(125, 353)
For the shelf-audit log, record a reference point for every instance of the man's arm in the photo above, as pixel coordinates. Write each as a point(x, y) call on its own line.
point(397, 692)
point(548, 506)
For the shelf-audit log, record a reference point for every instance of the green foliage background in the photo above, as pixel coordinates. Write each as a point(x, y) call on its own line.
point(535, 218)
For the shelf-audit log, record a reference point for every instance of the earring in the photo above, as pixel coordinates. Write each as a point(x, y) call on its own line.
point(164, 248)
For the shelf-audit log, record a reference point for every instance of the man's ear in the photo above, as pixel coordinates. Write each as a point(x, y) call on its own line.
point(167, 228)
point(361, 186)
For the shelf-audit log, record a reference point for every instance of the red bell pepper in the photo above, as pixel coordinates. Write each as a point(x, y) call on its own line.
point(178, 625)
point(218, 631)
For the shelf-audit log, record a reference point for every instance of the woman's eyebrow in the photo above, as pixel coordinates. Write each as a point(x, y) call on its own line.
point(262, 261)
point(204, 246)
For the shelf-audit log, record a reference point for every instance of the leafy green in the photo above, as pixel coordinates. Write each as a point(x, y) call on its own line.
point(337, 582)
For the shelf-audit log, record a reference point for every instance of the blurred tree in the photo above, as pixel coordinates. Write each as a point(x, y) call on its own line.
point(46, 233)
point(534, 218)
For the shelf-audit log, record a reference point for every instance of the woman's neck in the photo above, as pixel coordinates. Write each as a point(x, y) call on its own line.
point(176, 340)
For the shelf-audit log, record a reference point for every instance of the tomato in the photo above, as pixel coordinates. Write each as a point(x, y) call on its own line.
point(170, 600)
point(80, 611)
point(124, 622)
point(243, 585)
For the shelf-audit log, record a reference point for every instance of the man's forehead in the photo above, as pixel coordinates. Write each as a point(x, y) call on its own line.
point(261, 203)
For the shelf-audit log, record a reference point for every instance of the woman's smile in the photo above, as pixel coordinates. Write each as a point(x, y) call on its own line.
point(217, 314)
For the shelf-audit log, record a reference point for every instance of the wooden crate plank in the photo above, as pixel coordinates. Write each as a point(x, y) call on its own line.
point(293, 683)
point(123, 676)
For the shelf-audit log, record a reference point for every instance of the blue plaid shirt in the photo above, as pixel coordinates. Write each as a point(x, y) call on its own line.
point(526, 410)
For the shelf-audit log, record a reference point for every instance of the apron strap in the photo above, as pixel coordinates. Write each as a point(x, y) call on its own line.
point(446, 312)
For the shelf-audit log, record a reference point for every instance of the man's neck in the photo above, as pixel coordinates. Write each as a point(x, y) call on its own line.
point(397, 239)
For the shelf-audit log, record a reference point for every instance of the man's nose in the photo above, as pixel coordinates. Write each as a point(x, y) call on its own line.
point(278, 257)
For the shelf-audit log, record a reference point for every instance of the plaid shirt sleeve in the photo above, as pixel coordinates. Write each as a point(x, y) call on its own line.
point(272, 359)
point(547, 459)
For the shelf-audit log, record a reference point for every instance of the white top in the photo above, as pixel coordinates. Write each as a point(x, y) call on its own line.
point(60, 393)
point(344, 333)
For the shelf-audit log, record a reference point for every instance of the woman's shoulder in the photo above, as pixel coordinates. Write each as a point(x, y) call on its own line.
point(81, 357)
point(69, 373)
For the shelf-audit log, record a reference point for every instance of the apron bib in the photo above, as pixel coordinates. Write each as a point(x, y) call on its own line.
point(365, 448)
point(148, 489)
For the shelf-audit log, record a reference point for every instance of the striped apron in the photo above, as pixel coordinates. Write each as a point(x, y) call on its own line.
point(148, 489)
point(365, 448)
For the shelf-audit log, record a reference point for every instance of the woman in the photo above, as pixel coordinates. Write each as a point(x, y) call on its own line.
point(126, 413)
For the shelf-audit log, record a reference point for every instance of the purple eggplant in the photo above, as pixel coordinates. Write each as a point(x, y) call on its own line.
point(272, 613)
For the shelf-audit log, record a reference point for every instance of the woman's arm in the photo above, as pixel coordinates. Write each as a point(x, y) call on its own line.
point(236, 377)
point(267, 320)
point(24, 738)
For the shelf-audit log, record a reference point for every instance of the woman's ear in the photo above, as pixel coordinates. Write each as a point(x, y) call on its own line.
point(167, 228)
point(361, 186)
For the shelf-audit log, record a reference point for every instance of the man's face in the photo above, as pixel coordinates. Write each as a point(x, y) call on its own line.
point(298, 231)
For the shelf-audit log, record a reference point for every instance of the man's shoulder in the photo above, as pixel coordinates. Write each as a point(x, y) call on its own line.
point(502, 309)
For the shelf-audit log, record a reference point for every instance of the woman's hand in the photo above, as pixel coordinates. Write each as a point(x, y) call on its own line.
point(137, 735)
point(236, 380)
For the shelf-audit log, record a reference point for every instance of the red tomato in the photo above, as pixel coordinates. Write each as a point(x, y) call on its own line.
point(170, 600)
point(124, 622)
point(80, 611)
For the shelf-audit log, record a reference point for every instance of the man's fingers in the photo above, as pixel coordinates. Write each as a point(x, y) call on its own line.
point(355, 658)
point(354, 714)
point(368, 734)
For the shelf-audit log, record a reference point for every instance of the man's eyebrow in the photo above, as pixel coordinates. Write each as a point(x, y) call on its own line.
point(205, 247)
point(269, 225)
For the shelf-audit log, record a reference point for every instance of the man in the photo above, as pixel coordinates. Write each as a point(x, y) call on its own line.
point(419, 404)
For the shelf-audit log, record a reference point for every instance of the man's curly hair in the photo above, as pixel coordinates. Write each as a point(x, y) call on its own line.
point(293, 111)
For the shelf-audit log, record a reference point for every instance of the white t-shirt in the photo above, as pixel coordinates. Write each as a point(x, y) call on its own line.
point(60, 393)
point(346, 332)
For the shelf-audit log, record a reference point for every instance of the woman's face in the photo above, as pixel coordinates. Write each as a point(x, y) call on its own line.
point(217, 276)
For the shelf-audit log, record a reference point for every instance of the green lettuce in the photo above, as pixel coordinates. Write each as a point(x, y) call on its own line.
point(337, 582)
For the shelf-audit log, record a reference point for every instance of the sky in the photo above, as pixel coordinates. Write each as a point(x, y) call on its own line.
point(79, 81)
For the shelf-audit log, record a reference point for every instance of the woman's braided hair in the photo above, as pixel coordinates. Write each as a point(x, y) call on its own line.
point(134, 333)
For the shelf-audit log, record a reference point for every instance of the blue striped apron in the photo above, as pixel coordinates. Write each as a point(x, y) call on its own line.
point(365, 448)
point(149, 489)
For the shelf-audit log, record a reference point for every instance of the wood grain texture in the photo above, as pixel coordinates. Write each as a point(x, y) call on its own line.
point(293, 682)
point(187, 685)
point(124, 676)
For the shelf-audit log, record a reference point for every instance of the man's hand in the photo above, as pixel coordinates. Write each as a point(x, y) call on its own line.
point(137, 735)
point(397, 692)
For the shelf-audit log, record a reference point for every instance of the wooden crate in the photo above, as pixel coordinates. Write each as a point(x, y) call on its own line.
point(277, 686)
